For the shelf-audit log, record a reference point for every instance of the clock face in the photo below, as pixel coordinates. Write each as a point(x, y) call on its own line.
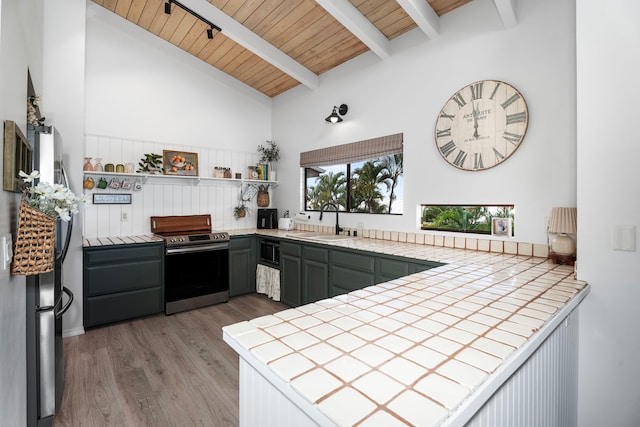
point(481, 125)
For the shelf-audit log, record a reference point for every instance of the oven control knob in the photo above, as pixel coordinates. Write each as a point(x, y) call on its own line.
point(173, 240)
point(215, 236)
point(182, 239)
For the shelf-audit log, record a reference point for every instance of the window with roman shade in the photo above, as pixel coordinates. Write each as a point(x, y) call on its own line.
point(363, 176)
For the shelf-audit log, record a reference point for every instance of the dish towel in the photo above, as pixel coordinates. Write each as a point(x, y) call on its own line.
point(268, 281)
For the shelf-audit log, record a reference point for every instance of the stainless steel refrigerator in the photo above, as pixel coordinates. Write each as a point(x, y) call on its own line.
point(45, 296)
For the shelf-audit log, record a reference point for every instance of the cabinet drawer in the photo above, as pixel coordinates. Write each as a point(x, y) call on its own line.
point(316, 254)
point(123, 253)
point(292, 249)
point(125, 305)
point(241, 243)
point(353, 260)
point(110, 278)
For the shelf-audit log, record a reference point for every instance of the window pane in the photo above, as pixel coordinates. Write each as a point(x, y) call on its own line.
point(326, 184)
point(464, 218)
point(369, 186)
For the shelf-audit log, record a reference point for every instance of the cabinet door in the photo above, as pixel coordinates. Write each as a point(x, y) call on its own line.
point(242, 266)
point(315, 281)
point(389, 269)
point(291, 273)
point(290, 283)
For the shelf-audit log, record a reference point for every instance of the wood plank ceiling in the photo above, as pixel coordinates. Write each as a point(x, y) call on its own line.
point(312, 35)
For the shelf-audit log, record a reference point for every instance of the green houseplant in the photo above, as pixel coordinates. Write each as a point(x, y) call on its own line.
point(150, 163)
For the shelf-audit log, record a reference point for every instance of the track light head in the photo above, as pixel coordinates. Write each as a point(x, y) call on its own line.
point(210, 33)
point(167, 8)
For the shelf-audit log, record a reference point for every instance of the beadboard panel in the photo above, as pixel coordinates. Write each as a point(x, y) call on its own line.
point(166, 196)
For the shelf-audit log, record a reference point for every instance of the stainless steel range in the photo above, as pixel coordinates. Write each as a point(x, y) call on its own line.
point(196, 261)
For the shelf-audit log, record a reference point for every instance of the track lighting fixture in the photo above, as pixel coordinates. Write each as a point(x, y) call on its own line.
point(334, 117)
point(212, 26)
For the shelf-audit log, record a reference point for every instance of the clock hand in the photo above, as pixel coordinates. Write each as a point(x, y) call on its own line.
point(476, 135)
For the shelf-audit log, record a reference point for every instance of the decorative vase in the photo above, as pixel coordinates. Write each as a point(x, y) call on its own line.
point(87, 167)
point(98, 166)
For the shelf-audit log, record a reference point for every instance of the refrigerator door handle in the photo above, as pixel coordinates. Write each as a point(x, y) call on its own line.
point(67, 240)
point(68, 304)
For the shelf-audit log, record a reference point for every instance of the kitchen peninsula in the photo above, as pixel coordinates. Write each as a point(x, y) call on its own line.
point(426, 349)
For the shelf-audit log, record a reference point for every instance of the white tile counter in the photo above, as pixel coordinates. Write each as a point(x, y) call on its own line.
point(413, 351)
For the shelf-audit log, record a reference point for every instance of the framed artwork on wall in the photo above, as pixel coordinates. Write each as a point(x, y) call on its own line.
point(180, 163)
point(17, 157)
point(501, 227)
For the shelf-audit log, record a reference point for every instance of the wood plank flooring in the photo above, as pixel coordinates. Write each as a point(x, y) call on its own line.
point(158, 371)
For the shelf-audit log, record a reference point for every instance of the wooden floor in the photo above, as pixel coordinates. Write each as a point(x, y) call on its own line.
point(158, 371)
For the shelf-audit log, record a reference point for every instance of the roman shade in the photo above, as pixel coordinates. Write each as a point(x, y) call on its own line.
point(353, 152)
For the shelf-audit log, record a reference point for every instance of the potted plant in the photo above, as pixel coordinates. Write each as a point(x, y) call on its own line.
point(150, 163)
point(240, 211)
point(269, 154)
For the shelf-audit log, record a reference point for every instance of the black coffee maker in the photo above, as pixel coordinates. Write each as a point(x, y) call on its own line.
point(267, 218)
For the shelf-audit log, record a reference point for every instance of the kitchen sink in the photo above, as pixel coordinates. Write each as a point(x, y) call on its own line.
point(319, 236)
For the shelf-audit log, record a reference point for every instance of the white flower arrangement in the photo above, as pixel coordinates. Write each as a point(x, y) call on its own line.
point(55, 200)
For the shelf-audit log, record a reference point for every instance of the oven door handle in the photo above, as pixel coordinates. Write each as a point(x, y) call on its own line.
point(197, 248)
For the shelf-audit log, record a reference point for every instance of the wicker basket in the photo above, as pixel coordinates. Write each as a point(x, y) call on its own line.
point(35, 244)
point(263, 199)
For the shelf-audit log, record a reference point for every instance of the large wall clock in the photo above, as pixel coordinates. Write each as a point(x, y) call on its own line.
point(481, 125)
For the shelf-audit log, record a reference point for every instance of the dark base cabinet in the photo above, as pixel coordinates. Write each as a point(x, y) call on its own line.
point(242, 265)
point(291, 273)
point(311, 272)
point(122, 282)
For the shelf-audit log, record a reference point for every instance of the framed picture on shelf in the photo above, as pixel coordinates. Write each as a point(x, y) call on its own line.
point(501, 227)
point(180, 163)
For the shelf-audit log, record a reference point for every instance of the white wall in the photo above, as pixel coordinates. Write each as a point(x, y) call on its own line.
point(405, 93)
point(20, 49)
point(608, 42)
point(145, 95)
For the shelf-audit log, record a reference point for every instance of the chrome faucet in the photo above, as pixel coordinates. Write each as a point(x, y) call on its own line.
point(335, 206)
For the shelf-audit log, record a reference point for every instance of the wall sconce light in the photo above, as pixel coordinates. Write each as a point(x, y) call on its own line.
point(334, 117)
point(212, 26)
point(562, 223)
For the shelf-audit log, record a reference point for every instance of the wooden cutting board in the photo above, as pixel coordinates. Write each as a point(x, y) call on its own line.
point(180, 224)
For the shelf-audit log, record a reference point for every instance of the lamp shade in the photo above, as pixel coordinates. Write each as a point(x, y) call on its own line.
point(563, 220)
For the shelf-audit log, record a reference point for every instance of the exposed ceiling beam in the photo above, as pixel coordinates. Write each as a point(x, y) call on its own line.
point(507, 12)
point(351, 18)
point(256, 44)
point(423, 15)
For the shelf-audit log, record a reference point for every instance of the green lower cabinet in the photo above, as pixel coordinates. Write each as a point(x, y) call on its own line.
point(315, 274)
point(122, 282)
point(242, 265)
point(290, 273)
point(350, 271)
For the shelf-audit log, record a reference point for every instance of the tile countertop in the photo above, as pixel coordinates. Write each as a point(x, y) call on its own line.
point(416, 350)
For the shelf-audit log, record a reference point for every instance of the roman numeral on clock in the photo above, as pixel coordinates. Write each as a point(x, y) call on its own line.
point(510, 101)
point(495, 89)
point(477, 161)
point(460, 158)
point(476, 91)
point(444, 115)
point(443, 132)
point(499, 155)
point(448, 148)
point(512, 137)
point(459, 100)
point(516, 118)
